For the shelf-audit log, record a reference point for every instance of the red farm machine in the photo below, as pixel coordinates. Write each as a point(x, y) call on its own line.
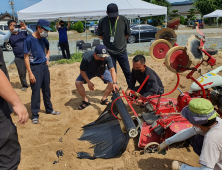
point(162, 117)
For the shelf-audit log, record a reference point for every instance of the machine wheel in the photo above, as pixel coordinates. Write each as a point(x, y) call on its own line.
point(159, 49)
point(8, 46)
point(177, 57)
point(131, 39)
point(151, 147)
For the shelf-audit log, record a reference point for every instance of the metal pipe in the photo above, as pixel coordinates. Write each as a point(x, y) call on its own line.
point(139, 29)
point(165, 20)
point(85, 30)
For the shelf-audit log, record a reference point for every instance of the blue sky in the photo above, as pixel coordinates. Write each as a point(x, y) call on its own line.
point(21, 4)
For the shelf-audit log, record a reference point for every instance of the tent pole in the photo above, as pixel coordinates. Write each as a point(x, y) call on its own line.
point(139, 29)
point(165, 20)
point(217, 21)
point(85, 30)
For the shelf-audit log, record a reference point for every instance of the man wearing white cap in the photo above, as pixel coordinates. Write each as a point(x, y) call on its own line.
point(205, 136)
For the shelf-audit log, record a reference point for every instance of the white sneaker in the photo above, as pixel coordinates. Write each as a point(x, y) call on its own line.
point(162, 146)
point(176, 165)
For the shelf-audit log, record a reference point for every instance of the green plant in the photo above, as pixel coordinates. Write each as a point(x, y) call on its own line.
point(182, 20)
point(96, 22)
point(79, 27)
point(76, 57)
point(212, 45)
point(140, 52)
point(52, 26)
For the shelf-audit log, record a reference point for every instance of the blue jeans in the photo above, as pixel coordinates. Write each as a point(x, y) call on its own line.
point(124, 64)
point(107, 76)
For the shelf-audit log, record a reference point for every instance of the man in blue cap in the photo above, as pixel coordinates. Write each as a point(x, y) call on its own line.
point(205, 136)
point(36, 55)
point(94, 64)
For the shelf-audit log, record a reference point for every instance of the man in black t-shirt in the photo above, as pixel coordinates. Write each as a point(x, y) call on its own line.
point(94, 64)
point(114, 30)
point(139, 73)
point(10, 149)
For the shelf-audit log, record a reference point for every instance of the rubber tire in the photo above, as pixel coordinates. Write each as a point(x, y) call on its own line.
point(154, 44)
point(168, 55)
point(149, 144)
point(214, 52)
point(8, 46)
point(133, 41)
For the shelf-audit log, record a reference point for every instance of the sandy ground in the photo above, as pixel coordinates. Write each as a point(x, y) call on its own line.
point(40, 142)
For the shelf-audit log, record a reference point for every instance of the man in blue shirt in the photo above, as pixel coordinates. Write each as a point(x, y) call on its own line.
point(63, 38)
point(36, 55)
point(16, 38)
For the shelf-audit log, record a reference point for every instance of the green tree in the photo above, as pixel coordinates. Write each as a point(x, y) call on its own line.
point(79, 27)
point(182, 20)
point(165, 3)
point(52, 26)
point(174, 14)
point(192, 13)
point(208, 6)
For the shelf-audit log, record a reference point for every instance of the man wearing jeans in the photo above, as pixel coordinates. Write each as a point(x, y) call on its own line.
point(114, 30)
point(16, 38)
point(36, 54)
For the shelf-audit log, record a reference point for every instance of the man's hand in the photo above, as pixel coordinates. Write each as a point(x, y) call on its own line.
point(91, 86)
point(23, 26)
point(47, 61)
point(139, 102)
point(32, 78)
point(128, 92)
point(22, 113)
point(162, 146)
point(115, 87)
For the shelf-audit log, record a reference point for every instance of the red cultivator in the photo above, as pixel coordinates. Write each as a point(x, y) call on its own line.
point(162, 117)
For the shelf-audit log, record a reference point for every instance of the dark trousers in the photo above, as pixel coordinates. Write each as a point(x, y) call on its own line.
point(20, 64)
point(42, 76)
point(124, 64)
point(65, 47)
point(10, 149)
point(197, 143)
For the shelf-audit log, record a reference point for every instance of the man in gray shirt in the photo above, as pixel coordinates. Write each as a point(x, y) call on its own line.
point(114, 30)
point(205, 136)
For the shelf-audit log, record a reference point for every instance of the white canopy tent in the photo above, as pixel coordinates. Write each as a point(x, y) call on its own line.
point(88, 10)
point(216, 14)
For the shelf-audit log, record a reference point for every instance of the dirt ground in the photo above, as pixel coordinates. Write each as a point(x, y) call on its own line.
point(40, 142)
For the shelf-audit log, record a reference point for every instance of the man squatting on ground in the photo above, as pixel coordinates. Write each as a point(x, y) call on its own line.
point(205, 136)
point(140, 71)
point(94, 64)
point(10, 149)
point(16, 38)
point(114, 30)
point(63, 38)
point(36, 54)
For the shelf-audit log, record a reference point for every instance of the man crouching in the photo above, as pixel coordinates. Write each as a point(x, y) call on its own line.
point(94, 65)
point(140, 71)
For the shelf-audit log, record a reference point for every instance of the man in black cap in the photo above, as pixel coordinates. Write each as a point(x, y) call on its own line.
point(114, 30)
point(94, 65)
point(36, 55)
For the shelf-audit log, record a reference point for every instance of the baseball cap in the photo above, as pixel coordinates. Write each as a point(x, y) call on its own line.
point(45, 24)
point(199, 111)
point(101, 51)
point(112, 10)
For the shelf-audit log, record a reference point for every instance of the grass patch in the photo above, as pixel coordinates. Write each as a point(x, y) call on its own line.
point(76, 57)
point(139, 52)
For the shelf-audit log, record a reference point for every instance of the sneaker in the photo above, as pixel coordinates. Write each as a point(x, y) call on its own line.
point(176, 165)
point(35, 121)
point(24, 88)
point(162, 146)
point(53, 112)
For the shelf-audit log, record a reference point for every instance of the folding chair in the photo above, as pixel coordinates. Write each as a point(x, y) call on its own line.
point(79, 45)
point(86, 46)
point(95, 42)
